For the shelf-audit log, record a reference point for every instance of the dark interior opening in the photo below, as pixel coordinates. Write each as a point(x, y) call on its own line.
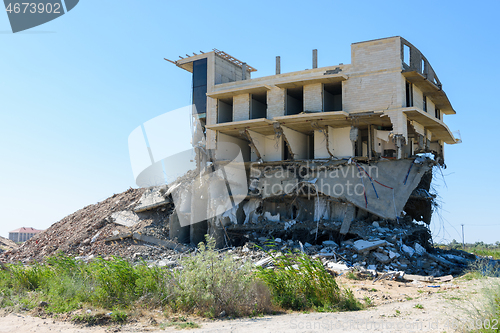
point(409, 94)
point(332, 97)
point(294, 101)
point(258, 106)
point(225, 110)
point(286, 151)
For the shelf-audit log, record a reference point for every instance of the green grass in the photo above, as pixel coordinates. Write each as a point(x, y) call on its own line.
point(418, 306)
point(179, 325)
point(298, 282)
point(209, 285)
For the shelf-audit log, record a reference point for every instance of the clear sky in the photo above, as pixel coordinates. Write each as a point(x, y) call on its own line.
point(73, 89)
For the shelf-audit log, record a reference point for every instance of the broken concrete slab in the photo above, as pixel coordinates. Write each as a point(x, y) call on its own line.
point(119, 237)
point(337, 267)
point(153, 198)
point(363, 245)
point(414, 277)
point(408, 250)
point(419, 249)
point(381, 257)
point(161, 242)
point(330, 243)
point(126, 218)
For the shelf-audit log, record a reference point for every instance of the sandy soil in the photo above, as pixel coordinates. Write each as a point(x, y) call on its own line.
point(444, 309)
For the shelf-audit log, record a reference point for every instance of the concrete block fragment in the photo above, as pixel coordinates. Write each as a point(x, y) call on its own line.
point(337, 267)
point(363, 245)
point(419, 249)
point(330, 243)
point(408, 250)
point(153, 198)
point(125, 218)
point(381, 257)
point(161, 242)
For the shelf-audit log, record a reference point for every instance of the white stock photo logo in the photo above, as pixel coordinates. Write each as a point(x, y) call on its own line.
point(164, 150)
point(25, 15)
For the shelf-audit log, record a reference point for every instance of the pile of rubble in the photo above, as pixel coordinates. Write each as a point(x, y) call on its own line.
point(7, 245)
point(84, 232)
point(135, 224)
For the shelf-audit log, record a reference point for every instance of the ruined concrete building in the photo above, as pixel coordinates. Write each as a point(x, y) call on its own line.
point(323, 147)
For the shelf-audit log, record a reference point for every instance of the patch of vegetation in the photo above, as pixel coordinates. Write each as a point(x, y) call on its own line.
point(479, 248)
point(179, 325)
point(351, 276)
point(408, 298)
point(418, 306)
point(209, 284)
point(298, 282)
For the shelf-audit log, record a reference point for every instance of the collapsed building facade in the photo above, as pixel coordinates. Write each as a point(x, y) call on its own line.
point(321, 148)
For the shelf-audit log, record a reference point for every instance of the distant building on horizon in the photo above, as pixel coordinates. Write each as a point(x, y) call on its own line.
point(23, 234)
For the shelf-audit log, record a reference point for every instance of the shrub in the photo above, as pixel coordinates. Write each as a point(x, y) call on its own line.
point(298, 282)
point(210, 285)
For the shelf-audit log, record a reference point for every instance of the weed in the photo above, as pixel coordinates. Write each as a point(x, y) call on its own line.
point(351, 276)
point(398, 312)
point(298, 282)
point(408, 298)
point(418, 306)
point(179, 325)
point(368, 301)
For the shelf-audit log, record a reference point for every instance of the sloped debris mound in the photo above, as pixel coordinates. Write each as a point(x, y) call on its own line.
point(7, 245)
point(84, 232)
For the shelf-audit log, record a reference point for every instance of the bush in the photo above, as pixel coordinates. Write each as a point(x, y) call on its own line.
point(298, 282)
point(210, 285)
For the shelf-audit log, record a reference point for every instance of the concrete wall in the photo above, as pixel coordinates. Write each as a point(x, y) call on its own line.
point(226, 71)
point(342, 145)
point(376, 55)
point(313, 97)
point(320, 150)
point(418, 98)
point(338, 140)
point(241, 107)
point(377, 91)
point(375, 82)
point(298, 142)
point(222, 155)
point(275, 102)
point(269, 147)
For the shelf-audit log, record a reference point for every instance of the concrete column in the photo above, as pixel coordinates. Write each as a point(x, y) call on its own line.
point(244, 71)
point(278, 65)
point(315, 58)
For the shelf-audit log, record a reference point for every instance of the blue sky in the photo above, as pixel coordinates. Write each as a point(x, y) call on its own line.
point(73, 89)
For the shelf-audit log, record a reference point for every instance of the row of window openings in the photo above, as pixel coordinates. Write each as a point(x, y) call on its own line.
point(409, 100)
point(294, 103)
point(423, 64)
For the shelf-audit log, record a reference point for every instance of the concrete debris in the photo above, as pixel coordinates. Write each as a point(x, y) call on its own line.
point(330, 243)
point(364, 246)
point(408, 250)
point(125, 218)
point(419, 249)
point(381, 257)
point(152, 198)
point(7, 245)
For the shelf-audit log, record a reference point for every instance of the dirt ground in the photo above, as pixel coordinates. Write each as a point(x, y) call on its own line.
point(397, 307)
